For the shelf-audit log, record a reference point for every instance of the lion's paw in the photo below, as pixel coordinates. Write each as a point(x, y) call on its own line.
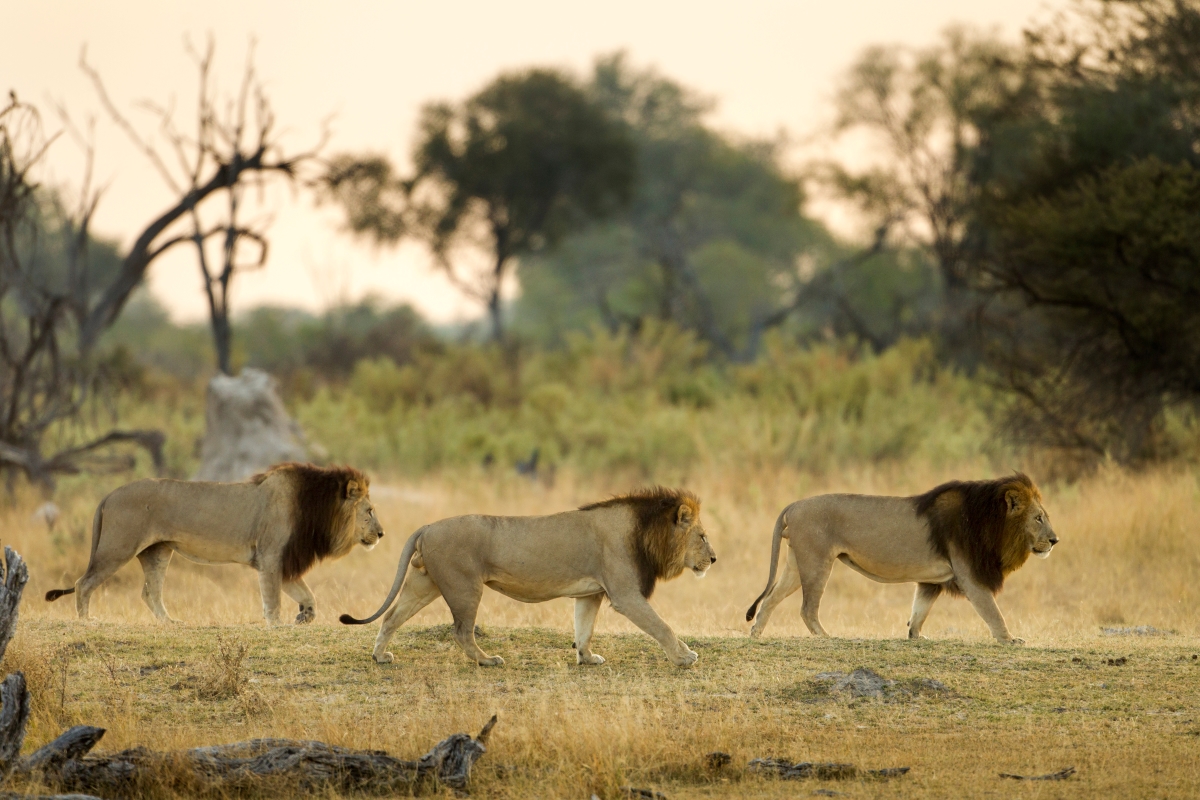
point(593, 659)
point(386, 658)
point(493, 661)
point(687, 659)
point(1015, 640)
point(306, 616)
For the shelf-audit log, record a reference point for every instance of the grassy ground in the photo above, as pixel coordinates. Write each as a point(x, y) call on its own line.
point(1128, 557)
point(1131, 730)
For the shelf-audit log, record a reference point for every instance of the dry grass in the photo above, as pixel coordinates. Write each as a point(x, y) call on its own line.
point(1128, 557)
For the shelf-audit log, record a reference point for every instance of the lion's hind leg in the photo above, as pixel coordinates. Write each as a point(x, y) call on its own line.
point(922, 601)
point(103, 565)
point(155, 559)
point(464, 606)
point(788, 583)
point(419, 591)
point(586, 609)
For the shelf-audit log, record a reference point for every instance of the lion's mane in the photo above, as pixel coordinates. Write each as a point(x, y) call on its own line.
point(973, 516)
point(657, 551)
point(323, 513)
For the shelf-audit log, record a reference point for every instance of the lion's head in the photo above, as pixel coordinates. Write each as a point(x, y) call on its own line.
point(667, 535)
point(366, 528)
point(995, 524)
point(1027, 521)
point(332, 512)
point(698, 554)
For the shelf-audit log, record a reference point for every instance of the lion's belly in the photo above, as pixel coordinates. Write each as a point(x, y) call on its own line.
point(207, 551)
point(547, 590)
point(935, 571)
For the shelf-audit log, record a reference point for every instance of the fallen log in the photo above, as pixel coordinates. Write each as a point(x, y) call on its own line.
point(10, 796)
point(822, 772)
point(1061, 775)
point(304, 766)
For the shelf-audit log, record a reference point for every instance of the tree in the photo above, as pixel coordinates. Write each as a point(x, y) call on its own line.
point(714, 231)
point(215, 165)
point(49, 289)
point(1106, 274)
point(938, 115)
point(510, 171)
point(1092, 249)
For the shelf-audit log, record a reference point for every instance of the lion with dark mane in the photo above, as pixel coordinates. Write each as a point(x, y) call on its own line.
point(280, 522)
point(616, 549)
point(963, 537)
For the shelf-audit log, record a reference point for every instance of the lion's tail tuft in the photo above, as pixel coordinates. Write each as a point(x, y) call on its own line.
point(346, 619)
point(54, 594)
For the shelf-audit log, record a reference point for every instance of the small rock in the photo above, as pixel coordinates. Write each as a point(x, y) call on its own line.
point(1116, 662)
point(864, 682)
point(717, 760)
point(1138, 630)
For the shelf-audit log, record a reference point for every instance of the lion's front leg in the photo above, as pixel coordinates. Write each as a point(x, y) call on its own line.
point(639, 611)
point(270, 582)
point(586, 609)
point(983, 600)
point(298, 590)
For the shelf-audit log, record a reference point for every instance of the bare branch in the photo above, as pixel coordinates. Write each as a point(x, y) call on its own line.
point(117, 117)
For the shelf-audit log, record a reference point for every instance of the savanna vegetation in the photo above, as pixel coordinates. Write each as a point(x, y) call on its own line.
point(1022, 297)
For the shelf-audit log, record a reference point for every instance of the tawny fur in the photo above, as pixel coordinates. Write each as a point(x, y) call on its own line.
point(615, 549)
point(963, 537)
point(280, 522)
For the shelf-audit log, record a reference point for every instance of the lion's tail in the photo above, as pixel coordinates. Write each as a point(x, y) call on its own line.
point(780, 527)
point(97, 524)
point(406, 555)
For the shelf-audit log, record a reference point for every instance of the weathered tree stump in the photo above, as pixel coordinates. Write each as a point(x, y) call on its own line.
point(246, 428)
point(14, 697)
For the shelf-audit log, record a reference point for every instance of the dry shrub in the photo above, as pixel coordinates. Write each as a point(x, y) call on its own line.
point(227, 676)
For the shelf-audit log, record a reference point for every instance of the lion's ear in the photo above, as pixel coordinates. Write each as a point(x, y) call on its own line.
point(1015, 501)
point(684, 516)
point(354, 490)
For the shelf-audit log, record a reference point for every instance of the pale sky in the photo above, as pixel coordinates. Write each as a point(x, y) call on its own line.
point(771, 65)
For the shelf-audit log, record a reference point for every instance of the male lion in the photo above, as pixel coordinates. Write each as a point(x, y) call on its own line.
point(963, 537)
point(280, 522)
point(617, 549)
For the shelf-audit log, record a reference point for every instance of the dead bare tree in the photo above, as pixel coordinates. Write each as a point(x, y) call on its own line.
point(47, 381)
point(234, 147)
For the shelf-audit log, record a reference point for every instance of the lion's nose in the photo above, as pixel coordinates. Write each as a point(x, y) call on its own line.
point(1053, 540)
point(712, 559)
point(381, 535)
